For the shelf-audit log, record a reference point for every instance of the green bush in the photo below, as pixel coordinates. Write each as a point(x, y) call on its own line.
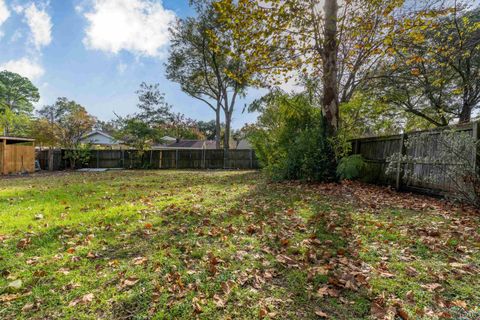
point(351, 167)
point(79, 156)
point(289, 140)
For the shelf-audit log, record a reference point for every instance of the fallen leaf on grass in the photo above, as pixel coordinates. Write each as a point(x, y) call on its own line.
point(283, 259)
point(139, 261)
point(30, 307)
point(432, 286)
point(196, 306)
point(212, 263)
point(460, 304)
point(321, 314)
point(227, 287)
point(411, 271)
point(128, 282)
point(9, 297)
point(82, 300)
point(402, 314)
point(264, 312)
point(219, 302)
point(16, 284)
point(91, 255)
point(23, 243)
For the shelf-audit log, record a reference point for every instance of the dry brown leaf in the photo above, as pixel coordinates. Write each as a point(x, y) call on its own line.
point(411, 271)
point(321, 314)
point(460, 304)
point(82, 300)
point(139, 261)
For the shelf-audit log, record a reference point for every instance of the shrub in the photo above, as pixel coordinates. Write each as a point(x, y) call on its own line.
point(351, 167)
point(289, 140)
point(79, 156)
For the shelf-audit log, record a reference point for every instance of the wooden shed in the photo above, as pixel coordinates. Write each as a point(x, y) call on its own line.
point(17, 155)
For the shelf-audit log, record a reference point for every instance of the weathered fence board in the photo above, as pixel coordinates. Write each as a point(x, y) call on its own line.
point(376, 151)
point(154, 159)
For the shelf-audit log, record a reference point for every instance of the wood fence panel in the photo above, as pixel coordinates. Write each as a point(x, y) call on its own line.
point(430, 177)
point(18, 158)
point(214, 159)
point(155, 159)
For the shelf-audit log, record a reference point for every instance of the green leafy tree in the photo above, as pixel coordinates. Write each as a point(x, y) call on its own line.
point(68, 121)
point(17, 96)
point(201, 63)
point(288, 139)
point(207, 128)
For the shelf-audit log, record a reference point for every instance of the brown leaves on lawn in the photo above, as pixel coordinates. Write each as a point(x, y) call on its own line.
point(321, 314)
point(23, 243)
point(213, 262)
point(85, 299)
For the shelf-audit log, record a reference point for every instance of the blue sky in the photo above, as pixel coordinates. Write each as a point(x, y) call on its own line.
point(97, 52)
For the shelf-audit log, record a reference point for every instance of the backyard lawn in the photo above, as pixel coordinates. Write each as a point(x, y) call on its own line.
point(229, 245)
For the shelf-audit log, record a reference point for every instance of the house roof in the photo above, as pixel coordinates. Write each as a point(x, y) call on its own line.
point(168, 138)
point(189, 144)
point(244, 144)
point(106, 135)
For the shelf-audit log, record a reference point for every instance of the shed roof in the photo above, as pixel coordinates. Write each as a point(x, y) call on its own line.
point(17, 139)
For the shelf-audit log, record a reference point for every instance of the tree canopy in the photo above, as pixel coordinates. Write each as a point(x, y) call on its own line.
point(17, 96)
point(200, 61)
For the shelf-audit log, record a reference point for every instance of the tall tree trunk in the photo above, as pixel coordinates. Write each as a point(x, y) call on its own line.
point(218, 128)
point(226, 135)
point(330, 86)
point(466, 112)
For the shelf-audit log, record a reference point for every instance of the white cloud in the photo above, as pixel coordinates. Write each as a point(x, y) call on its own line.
point(39, 22)
point(138, 26)
point(24, 67)
point(4, 14)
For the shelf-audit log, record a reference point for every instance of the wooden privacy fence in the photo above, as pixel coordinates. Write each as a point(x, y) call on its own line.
point(377, 150)
point(153, 159)
point(17, 155)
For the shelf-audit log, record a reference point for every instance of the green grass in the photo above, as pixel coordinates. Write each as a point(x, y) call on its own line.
point(212, 245)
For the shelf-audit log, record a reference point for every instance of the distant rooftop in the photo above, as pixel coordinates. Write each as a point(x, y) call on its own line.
point(188, 144)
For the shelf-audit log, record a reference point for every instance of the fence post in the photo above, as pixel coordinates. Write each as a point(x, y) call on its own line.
point(176, 158)
point(50, 159)
point(357, 147)
point(225, 155)
point(476, 147)
point(398, 180)
point(251, 158)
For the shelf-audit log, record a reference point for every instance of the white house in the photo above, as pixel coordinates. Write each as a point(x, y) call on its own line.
point(100, 138)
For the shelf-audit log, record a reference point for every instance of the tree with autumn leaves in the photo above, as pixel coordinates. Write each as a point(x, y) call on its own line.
point(419, 57)
point(432, 65)
point(336, 45)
